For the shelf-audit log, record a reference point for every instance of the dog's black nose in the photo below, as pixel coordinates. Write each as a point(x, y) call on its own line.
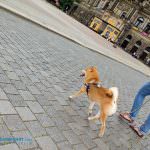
point(82, 75)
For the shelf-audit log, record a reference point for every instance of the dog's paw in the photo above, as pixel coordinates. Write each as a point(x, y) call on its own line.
point(101, 133)
point(70, 97)
point(89, 112)
point(90, 118)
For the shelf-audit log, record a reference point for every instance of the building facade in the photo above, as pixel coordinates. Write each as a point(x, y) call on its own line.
point(126, 22)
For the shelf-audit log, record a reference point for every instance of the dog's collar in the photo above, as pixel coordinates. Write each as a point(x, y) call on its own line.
point(87, 86)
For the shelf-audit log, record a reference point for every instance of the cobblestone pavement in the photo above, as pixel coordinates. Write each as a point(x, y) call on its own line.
point(38, 71)
point(48, 16)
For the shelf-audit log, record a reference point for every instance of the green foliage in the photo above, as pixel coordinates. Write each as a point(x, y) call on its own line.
point(69, 3)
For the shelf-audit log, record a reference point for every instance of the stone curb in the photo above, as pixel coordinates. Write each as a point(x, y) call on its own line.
point(3, 6)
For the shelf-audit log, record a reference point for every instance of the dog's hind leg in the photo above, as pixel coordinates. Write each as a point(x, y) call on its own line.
point(103, 118)
point(82, 90)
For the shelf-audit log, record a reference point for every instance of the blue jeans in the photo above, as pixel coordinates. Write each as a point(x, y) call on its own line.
point(142, 93)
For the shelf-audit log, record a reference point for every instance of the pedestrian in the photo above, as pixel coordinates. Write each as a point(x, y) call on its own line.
point(130, 117)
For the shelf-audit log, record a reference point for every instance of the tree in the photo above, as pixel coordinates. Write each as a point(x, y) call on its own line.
point(65, 5)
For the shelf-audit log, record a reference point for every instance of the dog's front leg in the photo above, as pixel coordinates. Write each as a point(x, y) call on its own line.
point(82, 90)
point(90, 108)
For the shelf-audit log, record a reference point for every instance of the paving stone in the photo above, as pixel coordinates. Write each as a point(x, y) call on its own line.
point(51, 111)
point(19, 85)
point(4, 79)
point(6, 67)
point(46, 83)
point(2, 95)
point(12, 146)
point(88, 141)
point(35, 128)
point(27, 71)
point(16, 100)
point(1, 120)
point(45, 120)
point(20, 72)
point(66, 117)
point(72, 137)
point(80, 147)
point(14, 123)
point(4, 133)
point(81, 121)
point(35, 107)
point(76, 128)
point(25, 113)
point(46, 143)
point(26, 81)
point(42, 100)
point(55, 134)
point(101, 144)
point(58, 88)
point(34, 90)
point(52, 68)
point(6, 108)
point(28, 142)
point(57, 106)
point(33, 78)
point(62, 101)
point(61, 124)
point(50, 96)
point(8, 58)
point(70, 111)
point(64, 146)
point(12, 75)
point(26, 95)
point(10, 89)
point(40, 86)
point(2, 60)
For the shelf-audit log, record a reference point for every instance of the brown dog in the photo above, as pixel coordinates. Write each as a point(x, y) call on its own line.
point(105, 98)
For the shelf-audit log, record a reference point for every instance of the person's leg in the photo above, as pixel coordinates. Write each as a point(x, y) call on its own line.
point(142, 93)
point(145, 128)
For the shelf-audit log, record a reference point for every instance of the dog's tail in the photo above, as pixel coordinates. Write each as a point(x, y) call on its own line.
point(115, 92)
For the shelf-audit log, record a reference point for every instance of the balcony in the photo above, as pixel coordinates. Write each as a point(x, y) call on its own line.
point(141, 34)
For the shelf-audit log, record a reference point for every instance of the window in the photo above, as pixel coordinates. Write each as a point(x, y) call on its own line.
point(110, 29)
point(147, 29)
point(96, 3)
point(129, 37)
point(123, 15)
point(139, 21)
point(115, 32)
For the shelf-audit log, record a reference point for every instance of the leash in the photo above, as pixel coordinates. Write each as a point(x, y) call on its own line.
point(133, 112)
point(137, 108)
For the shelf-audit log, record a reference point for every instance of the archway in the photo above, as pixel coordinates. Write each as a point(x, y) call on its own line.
point(147, 28)
point(145, 53)
point(139, 21)
point(135, 47)
point(126, 41)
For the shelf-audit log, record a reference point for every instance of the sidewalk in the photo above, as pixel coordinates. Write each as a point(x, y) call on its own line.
point(38, 71)
point(53, 19)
